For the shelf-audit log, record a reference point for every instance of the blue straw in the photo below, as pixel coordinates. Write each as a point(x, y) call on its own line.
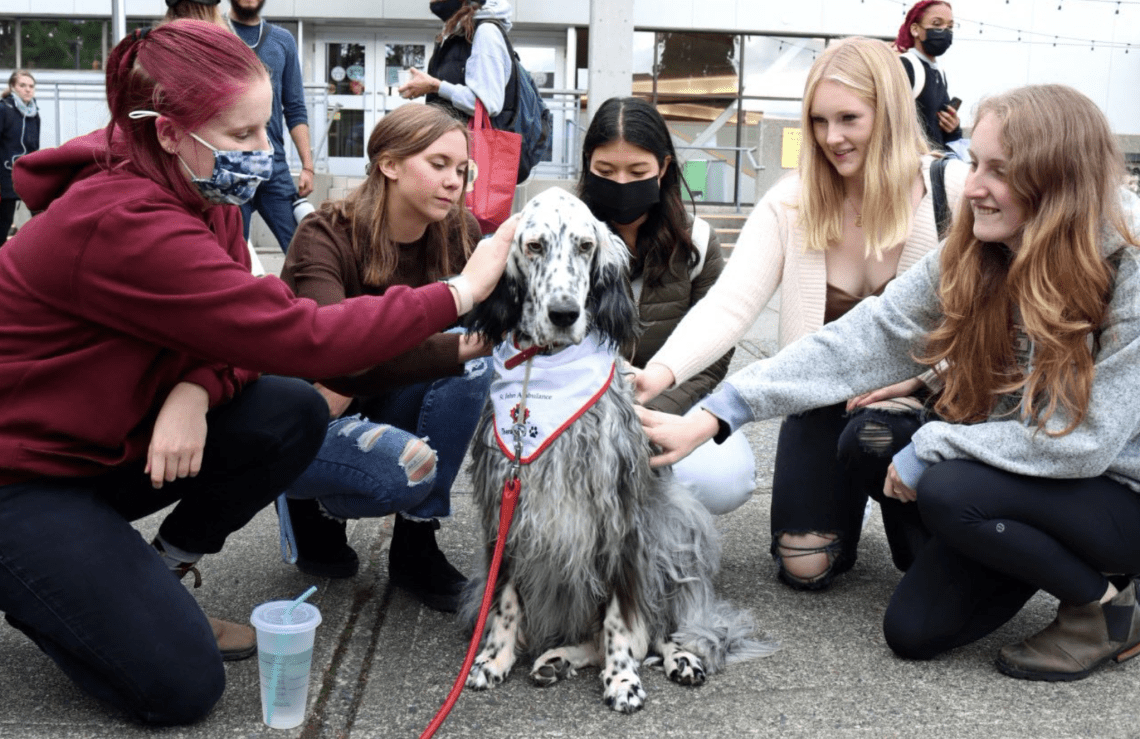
point(279, 659)
point(287, 617)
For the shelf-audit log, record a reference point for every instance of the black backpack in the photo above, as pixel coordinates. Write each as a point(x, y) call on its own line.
point(524, 111)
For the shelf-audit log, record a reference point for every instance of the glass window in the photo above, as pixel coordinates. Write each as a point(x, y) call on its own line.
point(540, 61)
point(346, 69)
point(398, 58)
point(776, 67)
point(7, 45)
point(73, 43)
point(346, 133)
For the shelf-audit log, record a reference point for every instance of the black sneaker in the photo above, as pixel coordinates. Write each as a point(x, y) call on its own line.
point(322, 541)
point(416, 564)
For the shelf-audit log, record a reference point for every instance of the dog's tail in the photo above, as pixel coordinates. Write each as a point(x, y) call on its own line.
point(683, 547)
point(725, 634)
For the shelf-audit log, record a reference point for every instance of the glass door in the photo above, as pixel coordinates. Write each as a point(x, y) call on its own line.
point(349, 71)
point(363, 73)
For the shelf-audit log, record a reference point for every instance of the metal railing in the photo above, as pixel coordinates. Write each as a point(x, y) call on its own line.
point(565, 107)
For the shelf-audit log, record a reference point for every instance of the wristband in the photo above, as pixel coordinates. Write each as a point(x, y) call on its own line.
point(308, 169)
point(462, 288)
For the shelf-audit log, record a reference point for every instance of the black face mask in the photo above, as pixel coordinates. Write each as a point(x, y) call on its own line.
point(937, 41)
point(444, 9)
point(621, 202)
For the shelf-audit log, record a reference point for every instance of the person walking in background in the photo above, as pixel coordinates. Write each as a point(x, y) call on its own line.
point(199, 10)
point(1030, 313)
point(859, 212)
point(19, 135)
point(276, 48)
point(631, 179)
point(470, 61)
point(925, 34)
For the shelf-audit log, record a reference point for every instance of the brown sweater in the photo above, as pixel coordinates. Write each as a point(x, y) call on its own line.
point(322, 265)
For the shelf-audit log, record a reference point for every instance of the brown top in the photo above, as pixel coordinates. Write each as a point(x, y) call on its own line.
point(840, 301)
point(322, 265)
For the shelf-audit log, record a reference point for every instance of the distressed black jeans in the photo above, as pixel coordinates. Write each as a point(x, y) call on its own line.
point(827, 464)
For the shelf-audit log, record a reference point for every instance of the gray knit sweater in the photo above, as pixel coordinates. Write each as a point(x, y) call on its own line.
point(871, 347)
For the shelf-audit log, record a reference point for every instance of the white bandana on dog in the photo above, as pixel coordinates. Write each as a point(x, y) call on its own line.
point(562, 387)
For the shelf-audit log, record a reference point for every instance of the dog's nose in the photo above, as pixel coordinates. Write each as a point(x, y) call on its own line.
point(563, 313)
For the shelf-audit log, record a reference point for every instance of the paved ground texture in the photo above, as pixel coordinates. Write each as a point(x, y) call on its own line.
point(383, 664)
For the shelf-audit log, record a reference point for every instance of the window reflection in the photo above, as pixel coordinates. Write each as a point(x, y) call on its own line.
point(346, 69)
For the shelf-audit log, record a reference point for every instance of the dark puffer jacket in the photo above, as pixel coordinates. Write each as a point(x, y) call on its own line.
point(18, 136)
point(662, 307)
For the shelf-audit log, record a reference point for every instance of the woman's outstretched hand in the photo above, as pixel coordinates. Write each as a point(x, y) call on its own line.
point(419, 84)
point(677, 436)
point(488, 260)
point(903, 389)
point(651, 381)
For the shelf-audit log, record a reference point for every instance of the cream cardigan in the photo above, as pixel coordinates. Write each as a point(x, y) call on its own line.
point(770, 253)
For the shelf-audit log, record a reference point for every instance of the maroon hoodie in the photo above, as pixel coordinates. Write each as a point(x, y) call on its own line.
point(118, 291)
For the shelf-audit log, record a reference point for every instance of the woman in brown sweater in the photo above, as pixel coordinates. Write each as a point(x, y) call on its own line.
point(406, 225)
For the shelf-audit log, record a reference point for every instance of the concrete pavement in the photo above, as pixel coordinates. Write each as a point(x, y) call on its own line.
point(383, 664)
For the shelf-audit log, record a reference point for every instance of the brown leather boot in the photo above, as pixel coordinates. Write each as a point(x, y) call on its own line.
point(1080, 639)
point(235, 641)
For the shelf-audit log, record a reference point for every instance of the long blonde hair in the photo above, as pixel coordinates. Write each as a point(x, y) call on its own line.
point(872, 71)
point(1065, 169)
point(404, 132)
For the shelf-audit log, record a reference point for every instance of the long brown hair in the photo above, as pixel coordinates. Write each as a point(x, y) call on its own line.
point(1065, 169)
point(404, 132)
point(463, 20)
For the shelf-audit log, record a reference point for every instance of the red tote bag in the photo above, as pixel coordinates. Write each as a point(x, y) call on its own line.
point(493, 171)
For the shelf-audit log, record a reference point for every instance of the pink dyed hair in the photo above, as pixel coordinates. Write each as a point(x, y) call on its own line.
point(905, 40)
point(188, 71)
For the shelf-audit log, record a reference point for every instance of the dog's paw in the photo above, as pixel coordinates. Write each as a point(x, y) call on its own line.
point(624, 693)
point(483, 675)
point(550, 669)
point(686, 669)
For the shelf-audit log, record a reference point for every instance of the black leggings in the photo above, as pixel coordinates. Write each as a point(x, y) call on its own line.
point(827, 463)
point(998, 539)
point(7, 215)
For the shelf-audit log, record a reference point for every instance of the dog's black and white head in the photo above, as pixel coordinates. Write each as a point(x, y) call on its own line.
point(566, 275)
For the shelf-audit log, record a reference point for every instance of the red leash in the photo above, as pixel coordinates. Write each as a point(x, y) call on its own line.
point(506, 512)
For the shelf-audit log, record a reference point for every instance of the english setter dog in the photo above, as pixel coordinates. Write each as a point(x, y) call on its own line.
point(606, 560)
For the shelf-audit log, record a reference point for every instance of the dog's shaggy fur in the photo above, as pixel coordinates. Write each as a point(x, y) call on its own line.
point(606, 559)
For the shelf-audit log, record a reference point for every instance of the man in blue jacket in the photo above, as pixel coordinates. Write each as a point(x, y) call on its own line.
point(277, 49)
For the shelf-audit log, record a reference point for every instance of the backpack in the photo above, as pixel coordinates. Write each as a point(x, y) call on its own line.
point(525, 113)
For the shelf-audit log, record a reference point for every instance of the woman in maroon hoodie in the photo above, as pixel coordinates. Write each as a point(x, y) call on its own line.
point(132, 335)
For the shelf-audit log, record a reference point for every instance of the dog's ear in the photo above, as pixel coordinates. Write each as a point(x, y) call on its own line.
point(501, 312)
point(611, 300)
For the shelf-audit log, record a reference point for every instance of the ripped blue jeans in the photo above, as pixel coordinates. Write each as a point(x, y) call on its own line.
point(376, 465)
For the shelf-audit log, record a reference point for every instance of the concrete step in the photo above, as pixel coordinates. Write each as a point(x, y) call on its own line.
point(726, 221)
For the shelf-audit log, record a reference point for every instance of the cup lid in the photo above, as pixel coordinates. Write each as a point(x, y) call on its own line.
point(271, 617)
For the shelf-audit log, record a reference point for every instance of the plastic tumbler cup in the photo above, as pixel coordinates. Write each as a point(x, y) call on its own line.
point(284, 659)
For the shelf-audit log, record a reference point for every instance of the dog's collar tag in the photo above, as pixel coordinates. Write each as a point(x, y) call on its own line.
point(562, 387)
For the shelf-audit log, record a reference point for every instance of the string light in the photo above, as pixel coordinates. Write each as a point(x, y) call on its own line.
point(1057, 40)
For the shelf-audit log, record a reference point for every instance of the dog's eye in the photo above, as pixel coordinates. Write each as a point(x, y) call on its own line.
point(534, 247)
point(584, 247)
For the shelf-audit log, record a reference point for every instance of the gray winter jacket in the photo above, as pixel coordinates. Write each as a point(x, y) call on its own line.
point(871, 347)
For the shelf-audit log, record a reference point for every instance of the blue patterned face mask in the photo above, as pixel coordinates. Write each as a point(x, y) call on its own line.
point(236, 174)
